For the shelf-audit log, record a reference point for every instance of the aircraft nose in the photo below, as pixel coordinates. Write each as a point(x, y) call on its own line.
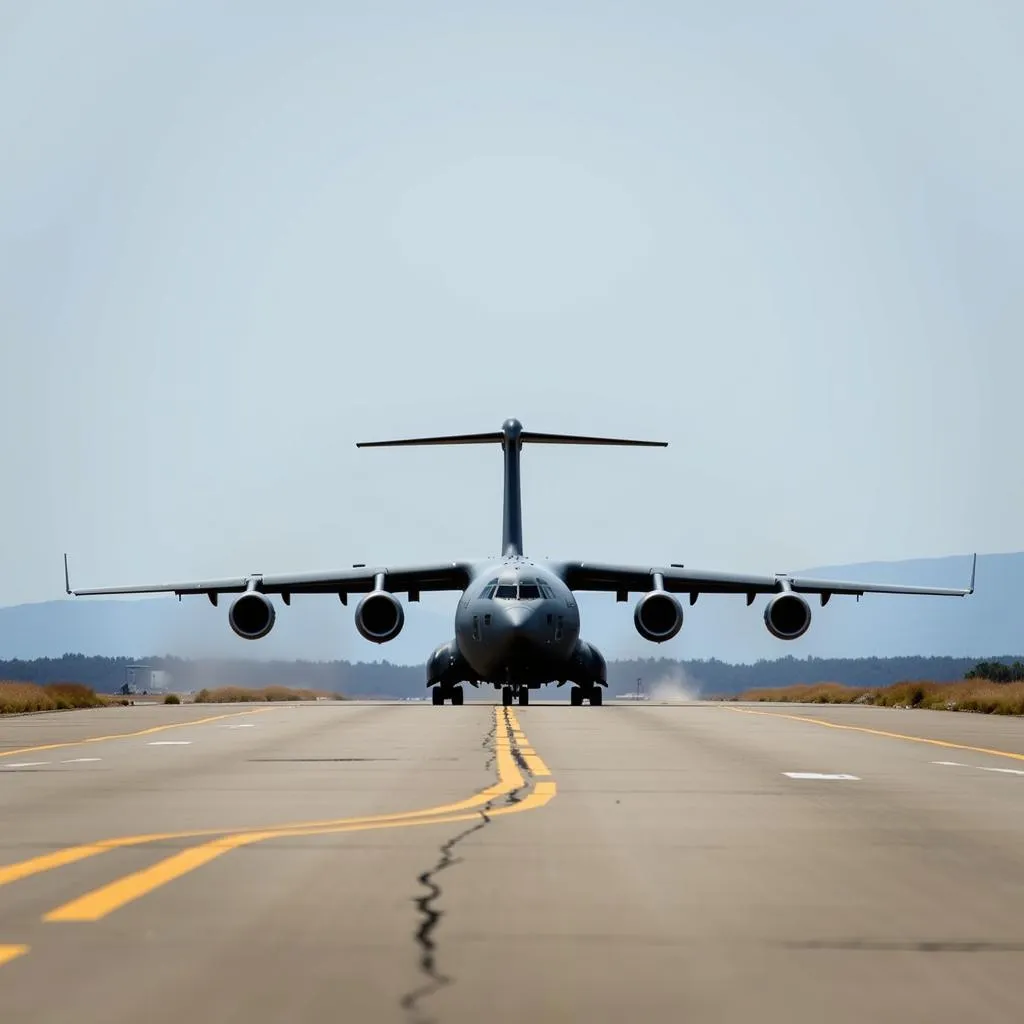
point(517, 617)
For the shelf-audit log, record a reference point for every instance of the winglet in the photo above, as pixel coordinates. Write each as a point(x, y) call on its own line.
point(974, 568)
point(67, 578)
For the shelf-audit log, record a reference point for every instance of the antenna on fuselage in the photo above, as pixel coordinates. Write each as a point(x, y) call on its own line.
point(512, 437)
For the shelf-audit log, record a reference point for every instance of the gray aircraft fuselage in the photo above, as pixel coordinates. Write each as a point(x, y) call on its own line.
point(517, 622)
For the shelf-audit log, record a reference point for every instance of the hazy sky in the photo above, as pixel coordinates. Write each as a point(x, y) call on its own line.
point(236, 238)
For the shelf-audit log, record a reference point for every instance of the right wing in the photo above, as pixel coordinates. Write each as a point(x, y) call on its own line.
point(624, 579)
point(360, 579)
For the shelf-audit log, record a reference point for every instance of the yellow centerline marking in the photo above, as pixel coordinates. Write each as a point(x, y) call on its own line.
point(99, 903)
point(529, 755)
point(9, 953)
point(95, 905)
point(131, 735)
point(509, 778)
point(880, 732)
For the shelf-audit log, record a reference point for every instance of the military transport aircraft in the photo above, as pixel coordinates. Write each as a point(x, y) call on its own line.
point(517, 625)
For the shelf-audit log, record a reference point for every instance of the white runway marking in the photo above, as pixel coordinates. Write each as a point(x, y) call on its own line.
point(26, 764)
point(820, 775)
point(980, 768)
point(240, 725)
point(81, 760)
point(169, 743)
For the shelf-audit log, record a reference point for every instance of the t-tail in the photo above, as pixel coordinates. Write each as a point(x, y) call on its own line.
point(512, 437)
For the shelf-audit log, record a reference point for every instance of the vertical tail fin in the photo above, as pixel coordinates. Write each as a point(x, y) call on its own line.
point(511, 437)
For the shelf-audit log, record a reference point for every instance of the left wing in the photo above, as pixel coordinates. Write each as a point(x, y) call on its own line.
point(678, 579)
point(360, 579)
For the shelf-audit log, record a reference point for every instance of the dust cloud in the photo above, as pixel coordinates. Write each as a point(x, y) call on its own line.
point(674, 687)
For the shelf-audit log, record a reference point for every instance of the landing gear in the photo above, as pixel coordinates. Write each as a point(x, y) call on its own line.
point(578, 694)
point(439, 694)
point(506, 696)
point(524, 696)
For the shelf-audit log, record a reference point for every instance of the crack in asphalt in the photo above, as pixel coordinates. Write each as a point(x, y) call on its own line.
point(430, 913)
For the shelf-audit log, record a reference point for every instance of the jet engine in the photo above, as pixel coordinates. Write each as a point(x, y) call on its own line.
point(658, 616)
point(252, 615)
point(379, 617)
point(787, 616)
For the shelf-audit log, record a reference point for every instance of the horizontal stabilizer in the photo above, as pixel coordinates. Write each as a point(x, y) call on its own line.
point(489, 438)
point(512, 430)
point(535, 438)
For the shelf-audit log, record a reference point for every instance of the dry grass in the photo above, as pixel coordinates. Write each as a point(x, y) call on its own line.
point(23, 697)
point(976, 695)
point(235, 694)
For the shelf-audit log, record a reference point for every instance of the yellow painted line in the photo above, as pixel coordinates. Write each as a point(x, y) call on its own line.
point(535, 764)
point(99, 903)
point(9, 953)
point(509, 778)
point(880, 732)
point(131, 735)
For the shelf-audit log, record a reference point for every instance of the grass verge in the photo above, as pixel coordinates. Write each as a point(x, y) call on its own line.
point(22, 697)
point(976, 695)
point(236, 694)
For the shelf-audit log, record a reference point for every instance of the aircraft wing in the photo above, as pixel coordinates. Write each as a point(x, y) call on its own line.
point(678, 579)
point(360, 579)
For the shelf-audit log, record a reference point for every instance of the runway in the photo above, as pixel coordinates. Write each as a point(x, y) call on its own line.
point(404, 863)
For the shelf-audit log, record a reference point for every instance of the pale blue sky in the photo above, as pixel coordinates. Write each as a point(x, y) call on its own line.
point(235, 238)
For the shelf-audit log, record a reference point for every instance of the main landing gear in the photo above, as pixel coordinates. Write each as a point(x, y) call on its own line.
point(508, 695)
point(577, 695)
point(439, 695)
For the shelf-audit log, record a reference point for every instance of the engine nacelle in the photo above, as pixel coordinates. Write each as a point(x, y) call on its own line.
point(787, 616)
point(252, 615)
point(658, 616)
point(380, 617)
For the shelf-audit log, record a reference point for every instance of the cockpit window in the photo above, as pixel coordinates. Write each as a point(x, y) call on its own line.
point(529, 592)
point(546, 591)
point(506, 590)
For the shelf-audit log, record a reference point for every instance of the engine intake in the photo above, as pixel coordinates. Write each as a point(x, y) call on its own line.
point(380, 617)
point(787, 616)
point(252, 616)
point(658, 616)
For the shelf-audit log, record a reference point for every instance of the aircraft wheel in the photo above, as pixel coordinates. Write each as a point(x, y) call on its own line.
point(436, 695)
point(575, 696)
point(457, 695)
point(524, 696)
point(595, 696)
point(506, 696)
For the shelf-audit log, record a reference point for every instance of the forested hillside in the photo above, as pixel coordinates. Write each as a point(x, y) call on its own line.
point(382, 679)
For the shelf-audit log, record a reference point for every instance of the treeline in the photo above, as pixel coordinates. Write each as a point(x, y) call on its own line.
point(720, 678)
point(382, 679)
point(997, 672)
point(108, 675)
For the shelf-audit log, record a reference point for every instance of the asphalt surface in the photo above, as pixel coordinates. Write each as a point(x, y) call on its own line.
point(630, 862)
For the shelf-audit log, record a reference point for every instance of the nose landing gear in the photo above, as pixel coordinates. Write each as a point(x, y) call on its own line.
point(509, 694)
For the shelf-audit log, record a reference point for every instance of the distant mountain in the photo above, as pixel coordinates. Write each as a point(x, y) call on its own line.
point(320, 628)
